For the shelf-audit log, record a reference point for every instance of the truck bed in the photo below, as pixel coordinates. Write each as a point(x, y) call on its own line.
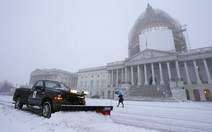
point(23, 93)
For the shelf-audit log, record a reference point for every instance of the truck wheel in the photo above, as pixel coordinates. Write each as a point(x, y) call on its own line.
point(18, 103)
point(46, 110)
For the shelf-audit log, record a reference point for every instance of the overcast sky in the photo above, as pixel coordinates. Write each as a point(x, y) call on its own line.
point(77, 34)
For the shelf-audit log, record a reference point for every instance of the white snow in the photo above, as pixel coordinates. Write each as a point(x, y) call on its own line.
point(136, 116)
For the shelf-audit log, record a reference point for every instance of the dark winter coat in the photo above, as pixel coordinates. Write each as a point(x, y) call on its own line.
point(121, 98)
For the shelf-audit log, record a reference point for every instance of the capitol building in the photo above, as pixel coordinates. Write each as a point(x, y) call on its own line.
point(160, 64)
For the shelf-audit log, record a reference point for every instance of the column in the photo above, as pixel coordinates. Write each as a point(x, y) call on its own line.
point(139, 75)
point(207, 72)
point(196, 72)
point(108, 74)
point(117, 77)
point(169, 71)
point(112, 79)
point(145, 75)
point(187, 75)
point(153, 74)
point(161, 74)
point(132, 78)
point(122, 75)
point(126, 79)
point(178, 70)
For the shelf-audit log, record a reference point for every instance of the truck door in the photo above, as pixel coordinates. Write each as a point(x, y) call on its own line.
point(36, 93)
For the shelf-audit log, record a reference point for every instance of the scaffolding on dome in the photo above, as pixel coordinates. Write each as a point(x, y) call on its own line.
point(154, 19)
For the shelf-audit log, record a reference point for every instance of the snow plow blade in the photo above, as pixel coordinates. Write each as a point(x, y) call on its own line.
point(105, 110)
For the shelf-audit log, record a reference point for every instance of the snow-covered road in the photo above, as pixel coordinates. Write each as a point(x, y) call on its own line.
point(136, 116)
point(176, 117)
point(163, 116)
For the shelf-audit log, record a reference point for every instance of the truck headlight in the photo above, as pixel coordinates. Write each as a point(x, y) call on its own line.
point(73, 91)
point(58, 97)
point(86, 92)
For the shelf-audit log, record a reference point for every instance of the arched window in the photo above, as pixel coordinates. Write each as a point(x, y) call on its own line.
point(207, 93)
point(187, 94)
point(196, 94)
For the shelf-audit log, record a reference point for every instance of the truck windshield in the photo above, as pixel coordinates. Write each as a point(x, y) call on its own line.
point(55, 85)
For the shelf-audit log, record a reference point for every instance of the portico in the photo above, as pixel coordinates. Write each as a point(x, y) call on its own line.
point(161, 69)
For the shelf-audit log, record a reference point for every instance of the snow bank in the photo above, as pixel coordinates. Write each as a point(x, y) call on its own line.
point(136, 116)
point(19, 121)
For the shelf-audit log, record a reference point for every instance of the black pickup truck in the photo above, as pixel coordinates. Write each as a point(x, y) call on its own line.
point(51, 96)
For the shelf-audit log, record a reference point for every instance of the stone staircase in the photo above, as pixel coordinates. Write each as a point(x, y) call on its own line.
point(155, 91)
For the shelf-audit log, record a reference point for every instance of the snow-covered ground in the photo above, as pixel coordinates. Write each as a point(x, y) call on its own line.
point(136, 116)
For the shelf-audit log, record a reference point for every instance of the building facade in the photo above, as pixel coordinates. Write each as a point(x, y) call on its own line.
point(95, 81)
point(160, 64)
